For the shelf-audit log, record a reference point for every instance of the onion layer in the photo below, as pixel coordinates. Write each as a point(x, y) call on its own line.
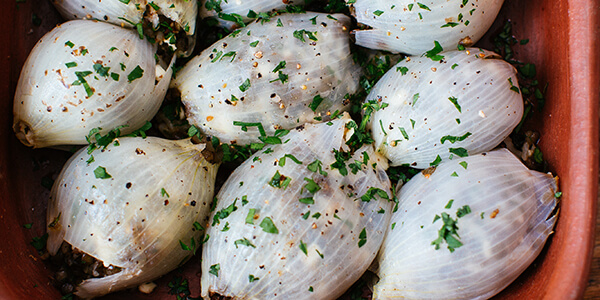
point(129, 206)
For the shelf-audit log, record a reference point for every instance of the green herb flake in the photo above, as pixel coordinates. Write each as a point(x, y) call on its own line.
point(315, 166)
point(250, 216)
point(449, 204)
point(378, 13)
point(404, 134)
point(71, 64)
point(415, 98)
point(449, 24)
point(461, 152)
point(453, 139)
point(214, 269)
point(100, 173)
point(362, 238)
point(163, 193)
point(299, 34)
point(306, 215)
point(268, 226)
point(254, 44)
point(115, 76)
point(137, 72)
point(423, 6)
point(28, 225)
point(316, 102)
point(279, 181)
point(371, 192)
point(224, 213)
point(311, 185)
point(436, 162)
point(513, 87)
point(465, 210)
point(243, 242)
point(302, 247)
point(307, 200)
point(403, 70)
point(284, 158)
point(433, 54)
point(454, 101)
point(251, 278)
point(69, 44)
point(39, 243)
point(454, 174)
point(464, 164)
point(448, 233)
point(245, 85)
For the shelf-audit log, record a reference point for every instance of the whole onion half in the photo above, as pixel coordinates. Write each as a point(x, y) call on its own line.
point(467, 230)
point(282, 73)
point(445, 105)
point(130, 207)
point(289, 226)
point(411, 27)
point(83, 75)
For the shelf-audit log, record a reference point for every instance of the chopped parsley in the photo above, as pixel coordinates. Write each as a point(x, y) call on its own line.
point(279, 181)
point(362, 238)
point(453, 139)
point(245, 85)
point(214, 269)
point(268, 226)
point(461, 152)
point(100, 173)
point(243, 242)
point(299, 34)
point(135, 74)
point(433, 54)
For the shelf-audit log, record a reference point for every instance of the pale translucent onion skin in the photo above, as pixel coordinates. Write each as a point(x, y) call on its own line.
point(283, 269)
point(325, 67)
point(123, 14)
point(490, 106)
point(50, 108)
point(510, 220)
point(411, 27)
point(242, 8)
point(135, 219)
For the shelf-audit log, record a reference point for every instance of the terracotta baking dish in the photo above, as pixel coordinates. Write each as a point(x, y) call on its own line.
point(563, 43)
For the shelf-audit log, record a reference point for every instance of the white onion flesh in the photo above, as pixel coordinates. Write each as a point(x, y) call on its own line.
point(421, 110)
point(241, 8)
point(284, 270)
point(54, 107)
point(233, 80)
point(411, 27)
point(510, 220)
point(134, 219)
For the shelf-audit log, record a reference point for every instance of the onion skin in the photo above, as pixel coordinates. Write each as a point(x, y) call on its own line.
point(53, 106)
point(511, 217)
point(233, 80)
point(331, 226)
point(411, 27)
point(469, 100)
point(135, 219)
